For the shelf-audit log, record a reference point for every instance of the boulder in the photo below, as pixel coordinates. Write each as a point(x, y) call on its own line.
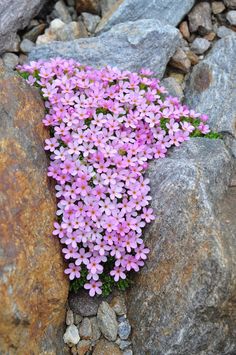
point(182, 301)
point(33, 287)
point(211, 87)
point(15, 15)
point(168, 11)
point(130, 45)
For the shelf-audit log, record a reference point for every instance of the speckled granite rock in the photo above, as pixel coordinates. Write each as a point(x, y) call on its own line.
point(33, 286)
point(15, 15)
point(182, 302)
point(131, 46)
point(211, 88)
point(168, 11)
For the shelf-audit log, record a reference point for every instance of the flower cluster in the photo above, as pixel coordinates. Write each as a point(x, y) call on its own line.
point(105, 126)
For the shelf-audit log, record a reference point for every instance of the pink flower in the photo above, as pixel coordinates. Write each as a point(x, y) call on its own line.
point(93, 287)
point(106, 125)
point(118, 273)
point(73, 271)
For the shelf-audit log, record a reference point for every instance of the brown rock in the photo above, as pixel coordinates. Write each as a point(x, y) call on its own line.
point(200, 18)
point(192, 57)
point(83, 347)
point(177, 76)
point(180, 61)
point(210, 36)
point(105, 347)
point(33, 287)
point(217, 7)
point(33, 34)
point(92, 6)
point(183, 27)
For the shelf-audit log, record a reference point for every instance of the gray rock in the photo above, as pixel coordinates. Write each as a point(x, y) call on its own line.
point(127, 46)
point(124, 330)
point(107, 322)
point(26, 46)
point(231, 4)
point(180, 61)
point(81, 303)
point(231, 17)
point(15, 15)
point(71, 336)
point(200, 45)
point(85, 329)
point(211, 88)
point(14, 46)
point(10, 60)
point(69, 317)
point(168, 11)
point(224, 31)
point(181, 300)
point(173, 87)
point(200, 18)
point(77, 319)
point(95, 329)
point(90, 21)
point(61, 11)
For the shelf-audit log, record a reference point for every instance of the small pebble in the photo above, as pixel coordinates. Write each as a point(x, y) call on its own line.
point(10, 60)
point(123, 344)
point(56, 26)
point(69, 317)
point(128, 352)
point(85, 329)
point(192, 57)
point(200, 45)
point(95, 329)
point(107, 321)
point(77, 319)
point(14, 45)
point(83, 347)
point(224, 31)
point(36, 31)
point(118, 305)
point(217, 7)
point(231, 17)
point(71, 336)
point(91, 21)
point(62, 12)
point(26, 46)
point(124, 330)
point(183, 27)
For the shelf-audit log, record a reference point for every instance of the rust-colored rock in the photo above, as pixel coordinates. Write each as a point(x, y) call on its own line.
point(105, 347)
point(183, 27)
point(33, 287)
point(92, 6)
